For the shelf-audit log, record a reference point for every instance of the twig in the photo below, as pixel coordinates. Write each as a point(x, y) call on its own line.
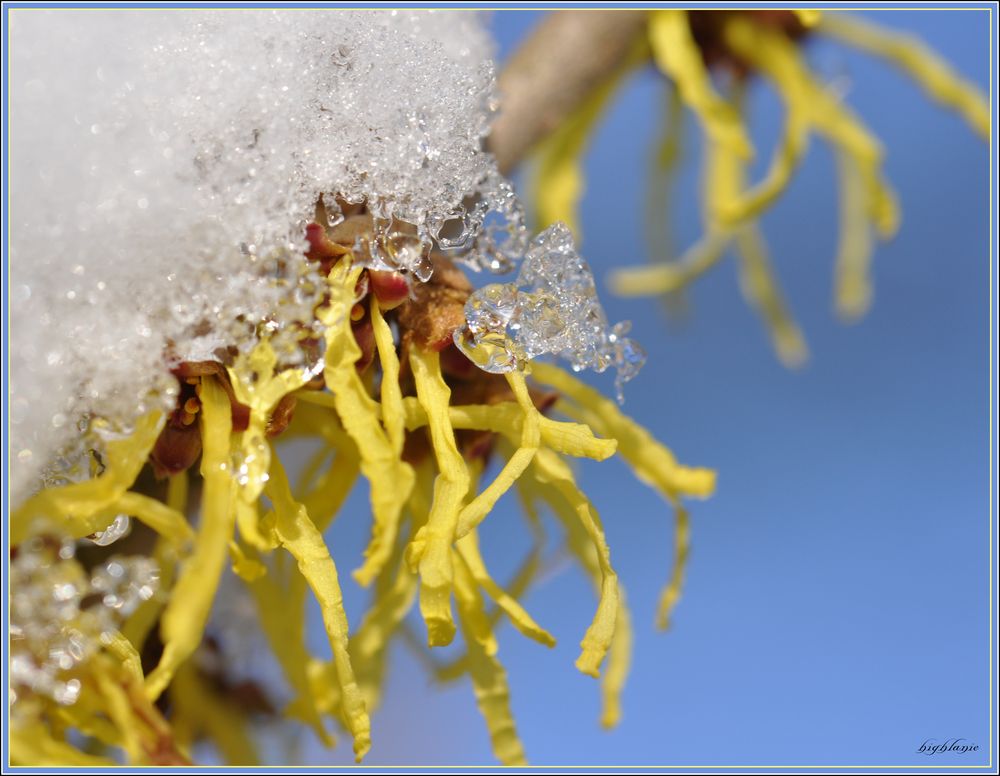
point(566, 56)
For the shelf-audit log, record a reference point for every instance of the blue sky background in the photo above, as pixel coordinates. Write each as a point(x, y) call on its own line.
point(836, 607)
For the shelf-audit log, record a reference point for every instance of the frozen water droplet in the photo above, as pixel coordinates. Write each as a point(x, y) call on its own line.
point(552, 307)
point(492, 351)
point(119, 527)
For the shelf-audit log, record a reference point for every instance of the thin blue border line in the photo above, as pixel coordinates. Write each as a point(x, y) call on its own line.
point(994, 271)
point(993, 325)
point(544, 6)
point(4, 754)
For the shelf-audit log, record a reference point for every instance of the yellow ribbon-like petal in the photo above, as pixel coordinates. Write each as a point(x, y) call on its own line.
point(913, 57)
point(430, 550)
point(596, 641)
point(852, 269)
point(531, 436)
point(390, 478)
point(190, 600)
point(67, 506)
point(468, 549)
point(651, 461)
point(489, 680)
point(677, 55)
point(299, 536)
point(672, 592)
point(559, 179)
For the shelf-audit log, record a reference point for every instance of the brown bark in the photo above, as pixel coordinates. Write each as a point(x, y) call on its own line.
point(566, 56)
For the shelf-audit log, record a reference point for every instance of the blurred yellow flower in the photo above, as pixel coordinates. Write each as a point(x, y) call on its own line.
point(688, 47)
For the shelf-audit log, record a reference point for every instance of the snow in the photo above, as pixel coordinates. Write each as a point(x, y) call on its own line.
point(164, 164)
point(164, 160)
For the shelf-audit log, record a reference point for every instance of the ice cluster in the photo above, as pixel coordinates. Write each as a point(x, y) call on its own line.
point(164, 163)
point(552, 307)
point(62, 614)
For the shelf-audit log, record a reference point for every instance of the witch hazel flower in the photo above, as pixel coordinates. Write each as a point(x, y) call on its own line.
point(234, 229)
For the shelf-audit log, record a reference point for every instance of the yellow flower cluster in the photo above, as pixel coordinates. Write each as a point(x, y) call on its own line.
point(760, 43)
point(424, 547)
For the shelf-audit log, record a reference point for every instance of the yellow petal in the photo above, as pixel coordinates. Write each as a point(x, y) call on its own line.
point(507, 418)
point(66, 505)
point(190, 600)
point(672, 592)
point(125, 653)
point(393, 414)
point(489, 680)
point(651, 461)
point(852, 274)
point(430, 549)
point(914, 58)
point(559, 180)
point(678, 56)
point(619, 663)
point(760, 288)
point(474, 512)
point(390, 477)
point(299, 536)
point(669, 277)
point(596, 641)
point(777, 56)
point(468, 549)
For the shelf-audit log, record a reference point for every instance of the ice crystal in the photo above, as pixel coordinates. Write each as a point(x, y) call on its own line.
point(61, 614)
point(168, 160)
point(551, 308)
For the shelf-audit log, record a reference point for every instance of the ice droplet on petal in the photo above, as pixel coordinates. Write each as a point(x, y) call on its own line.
point(119, 527)
point(551, 308)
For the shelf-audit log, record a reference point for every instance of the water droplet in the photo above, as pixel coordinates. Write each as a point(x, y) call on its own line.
point(119, 527)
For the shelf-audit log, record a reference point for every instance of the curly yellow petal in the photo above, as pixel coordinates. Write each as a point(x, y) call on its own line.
point(760, 288)
point(651, 461)
point(299, 536)
point(73, 503)
point(190, 601)
point(852, 269)
point(913, 57)
point(778, 57)
point(476, 510)
point(668, 277)
point(619, 663)
point(489, 680)
point(430, 549)
point(390, 477)
point(672, 591)
point(596, 641)
point(677, 55)
point(468, 549)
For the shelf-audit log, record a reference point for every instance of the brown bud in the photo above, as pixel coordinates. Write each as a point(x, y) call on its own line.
point(176, 450)
point(390, 288)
